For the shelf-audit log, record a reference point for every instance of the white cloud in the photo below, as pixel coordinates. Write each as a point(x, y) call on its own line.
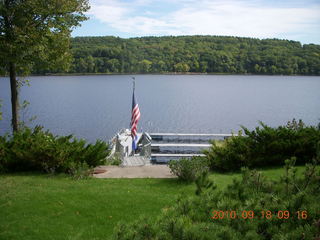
point(216, 17)
point(108, 11)
point(242, 20)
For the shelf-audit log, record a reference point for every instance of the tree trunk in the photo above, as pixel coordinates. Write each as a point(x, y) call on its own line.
point(14, 98)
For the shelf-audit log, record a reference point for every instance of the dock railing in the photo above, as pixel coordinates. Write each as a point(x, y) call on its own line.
point(166, 146)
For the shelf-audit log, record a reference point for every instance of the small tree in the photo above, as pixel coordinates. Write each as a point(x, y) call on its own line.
point(36, 31)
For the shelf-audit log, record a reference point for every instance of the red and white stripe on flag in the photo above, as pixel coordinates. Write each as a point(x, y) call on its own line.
point(134, 120)
point(135, 116)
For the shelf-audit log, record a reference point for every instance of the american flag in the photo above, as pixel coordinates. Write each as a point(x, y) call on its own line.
point(135, 116)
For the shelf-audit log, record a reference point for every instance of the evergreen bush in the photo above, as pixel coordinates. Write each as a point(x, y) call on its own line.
point(38, 150)
point(265, 146)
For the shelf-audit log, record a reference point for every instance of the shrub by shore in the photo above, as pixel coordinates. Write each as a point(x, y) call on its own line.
point(39, 150)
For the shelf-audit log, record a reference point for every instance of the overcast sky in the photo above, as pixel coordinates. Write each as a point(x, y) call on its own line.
point(284, 19)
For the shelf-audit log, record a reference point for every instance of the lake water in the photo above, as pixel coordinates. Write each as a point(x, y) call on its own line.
point(96, 107)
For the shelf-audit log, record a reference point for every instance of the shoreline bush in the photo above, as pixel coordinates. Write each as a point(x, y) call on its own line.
point(265, 146)
point(38, 150)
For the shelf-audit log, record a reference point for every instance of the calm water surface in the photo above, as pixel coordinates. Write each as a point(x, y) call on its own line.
point(96, 107)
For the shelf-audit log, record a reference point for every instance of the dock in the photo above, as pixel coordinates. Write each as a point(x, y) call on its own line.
point(160, 148)
point(178, 155)
point(180, 145)
point(193, 134)
point(169, 146)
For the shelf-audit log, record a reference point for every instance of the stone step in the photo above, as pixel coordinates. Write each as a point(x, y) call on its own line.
point(135, 161)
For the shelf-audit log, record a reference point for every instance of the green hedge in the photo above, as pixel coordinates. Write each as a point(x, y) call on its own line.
point(265, 146)
point(38, 150)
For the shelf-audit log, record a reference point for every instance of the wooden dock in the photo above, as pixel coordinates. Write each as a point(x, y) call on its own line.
point(167, 146)
point(180, 145)
point(193, 134)
point(162, 147)
point(178, 155)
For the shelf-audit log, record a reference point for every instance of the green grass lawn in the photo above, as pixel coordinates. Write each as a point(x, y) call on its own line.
point(34, 206)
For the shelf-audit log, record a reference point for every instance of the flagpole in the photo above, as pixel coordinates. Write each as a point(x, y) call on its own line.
point(133, 88)
point(135, 115)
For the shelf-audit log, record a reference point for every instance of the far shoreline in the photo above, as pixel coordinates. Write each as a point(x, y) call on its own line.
point(166, 73)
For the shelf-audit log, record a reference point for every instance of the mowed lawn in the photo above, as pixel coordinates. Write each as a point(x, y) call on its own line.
point(35, 206)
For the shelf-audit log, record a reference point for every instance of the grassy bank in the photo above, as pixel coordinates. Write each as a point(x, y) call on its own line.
point(34, 206)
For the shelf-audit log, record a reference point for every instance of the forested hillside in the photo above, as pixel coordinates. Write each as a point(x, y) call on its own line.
point(199, 54)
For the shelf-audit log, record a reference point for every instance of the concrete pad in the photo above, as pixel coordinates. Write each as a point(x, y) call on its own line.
point(151, 171)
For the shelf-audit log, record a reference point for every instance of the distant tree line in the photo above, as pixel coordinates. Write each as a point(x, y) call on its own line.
point(195, 54)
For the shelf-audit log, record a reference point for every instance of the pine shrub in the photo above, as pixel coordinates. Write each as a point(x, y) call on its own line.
point(265, 146)
point(38, 150)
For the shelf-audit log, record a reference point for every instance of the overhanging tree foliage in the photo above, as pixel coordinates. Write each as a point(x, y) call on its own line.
point(36, 31)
